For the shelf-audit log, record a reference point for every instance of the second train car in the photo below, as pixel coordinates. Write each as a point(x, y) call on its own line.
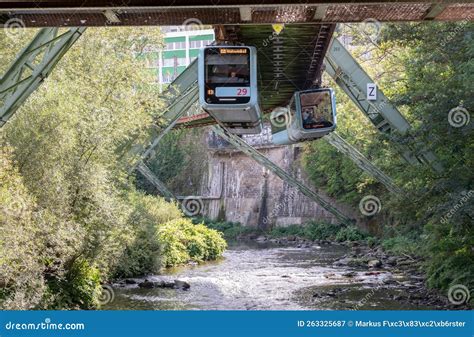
point(310, 115)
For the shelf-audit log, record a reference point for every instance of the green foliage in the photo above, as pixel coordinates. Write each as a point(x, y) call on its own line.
point(425, 70)
point(400, 245)
point(450, 253)
point(68, 214)
point(230, 230)
point(182, 241)
point(320, 231)
point(142, 254)
point(80, 288)
point(350, 233)
point(178, 161)
point(21, 270)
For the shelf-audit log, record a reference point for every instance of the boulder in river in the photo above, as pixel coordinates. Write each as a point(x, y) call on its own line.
point(146, 284)
point(176, 284)
point(374, 264)
point(181, 284)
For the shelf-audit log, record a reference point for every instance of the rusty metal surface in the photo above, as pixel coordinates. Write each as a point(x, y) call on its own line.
point(176, 12)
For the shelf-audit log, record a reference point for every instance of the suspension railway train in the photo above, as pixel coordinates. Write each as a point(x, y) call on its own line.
point(228, 91)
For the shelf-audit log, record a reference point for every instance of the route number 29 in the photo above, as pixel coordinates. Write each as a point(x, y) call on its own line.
point(242, 92)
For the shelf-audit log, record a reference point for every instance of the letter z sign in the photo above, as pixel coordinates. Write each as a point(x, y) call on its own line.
point(371, 92)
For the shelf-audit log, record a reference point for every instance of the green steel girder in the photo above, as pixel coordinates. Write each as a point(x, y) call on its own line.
point(32, 65)
point(362, 162)
point(179, 97)
point(150, 176)
point(353, 80)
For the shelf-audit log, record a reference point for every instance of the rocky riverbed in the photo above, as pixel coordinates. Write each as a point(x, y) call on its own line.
point(286, 274)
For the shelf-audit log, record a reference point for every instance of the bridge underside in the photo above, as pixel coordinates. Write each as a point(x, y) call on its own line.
point(59, 13)
point(287, 62)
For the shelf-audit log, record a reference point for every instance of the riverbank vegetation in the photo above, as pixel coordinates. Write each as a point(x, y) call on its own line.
point(313, 231)
point(426, 70)
point(70, 216)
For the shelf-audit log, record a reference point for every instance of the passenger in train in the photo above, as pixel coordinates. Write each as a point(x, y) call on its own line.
point(233, 78)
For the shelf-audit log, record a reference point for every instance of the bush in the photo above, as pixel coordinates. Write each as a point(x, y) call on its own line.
point(320, 231)
point(142, 253)
point(230, 230)
point(350, 233)
point(399, 245)
point(449, 254)
point(181, 241)
point(80, 289)
point(21, 270)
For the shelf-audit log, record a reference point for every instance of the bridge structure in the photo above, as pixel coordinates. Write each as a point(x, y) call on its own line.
point(68, 13)
point(295, 45)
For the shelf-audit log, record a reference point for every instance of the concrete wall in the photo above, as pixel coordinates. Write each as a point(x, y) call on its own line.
point(253, 196)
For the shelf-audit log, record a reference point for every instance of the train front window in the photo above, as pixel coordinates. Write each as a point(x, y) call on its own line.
point(227, 69)
point(316, 110)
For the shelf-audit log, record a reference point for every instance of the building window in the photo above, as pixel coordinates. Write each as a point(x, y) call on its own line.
point(167, 78)
point(174, 61)
point(175, 45)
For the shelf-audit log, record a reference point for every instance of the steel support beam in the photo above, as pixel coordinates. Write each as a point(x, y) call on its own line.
point(150, 176)
point(353, 80)
point(31, 66)
point(362, 162)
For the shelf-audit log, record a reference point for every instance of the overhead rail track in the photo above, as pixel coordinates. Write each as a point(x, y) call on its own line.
point(66, 13)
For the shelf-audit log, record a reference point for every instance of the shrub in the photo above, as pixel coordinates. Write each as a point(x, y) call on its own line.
point(181, 241)
point(230, 230)
point(21, 270)
point(399, 245)
point(350, 233)
point(80, 288)
point(449, 254)
point(320, 231)
point(142, 253)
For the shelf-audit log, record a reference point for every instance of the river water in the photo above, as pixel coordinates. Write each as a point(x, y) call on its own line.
point(254, 276)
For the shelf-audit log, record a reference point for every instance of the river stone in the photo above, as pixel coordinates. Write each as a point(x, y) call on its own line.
point(146, 284)
point(349, 274)
point(181, 284)
point(374, 264)
point(392, 261)
point(130, 281)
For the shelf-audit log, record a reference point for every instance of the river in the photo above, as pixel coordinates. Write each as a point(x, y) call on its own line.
point(253, 276)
